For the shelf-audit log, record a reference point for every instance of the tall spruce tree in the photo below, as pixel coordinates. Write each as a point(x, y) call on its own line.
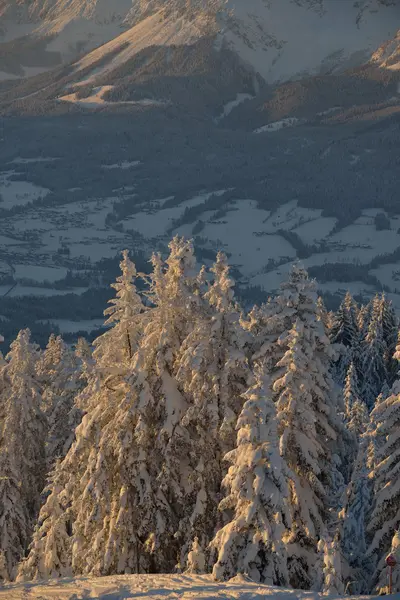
point(257, 482)
point(305, 425)
point(354, 517)
point(22, 452)
point(385, 469)
point(212, 370)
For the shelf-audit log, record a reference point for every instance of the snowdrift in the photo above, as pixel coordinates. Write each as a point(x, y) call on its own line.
point(153, 587)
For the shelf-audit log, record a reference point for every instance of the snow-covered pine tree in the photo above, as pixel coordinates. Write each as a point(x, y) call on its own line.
point(344, 328)
point(344, 334)
point(213, 372)
point(351, 392)
point(306, 428)
point(22, 451)
point(385, 515)
point(374, 372)
point(354, 515)
point(256, 503)
point(395, 389)
point(93, 496)
point(390, 326)
point(333, 582)
point(50, 550)
point(115, 348)
point(358, 418)
point(298, 300)
point(60, 376)
point(196, 562)
point(364, 319)
point(323, 315)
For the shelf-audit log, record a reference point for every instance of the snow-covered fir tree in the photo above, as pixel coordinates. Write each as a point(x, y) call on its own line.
point(332, 569)
point(374, 372)
point(257, 483)
point(22, 452)
point(344, 334)
point(196, 562)
point(351, 391)
point(115, 348)
point(344, 327)
point(213, 371)
point(354, 515)
point(358, 418)
point(59, 372)
point(385, 515)
point(50, 550)
point(304, 413)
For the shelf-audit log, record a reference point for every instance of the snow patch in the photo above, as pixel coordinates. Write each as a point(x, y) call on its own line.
point(228, 108)
point(277, 125)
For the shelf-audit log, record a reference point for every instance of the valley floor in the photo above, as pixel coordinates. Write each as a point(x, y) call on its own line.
point(151, 587)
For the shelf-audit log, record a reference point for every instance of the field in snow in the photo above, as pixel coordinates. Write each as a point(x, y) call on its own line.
point(153, 587)
point(32, 242)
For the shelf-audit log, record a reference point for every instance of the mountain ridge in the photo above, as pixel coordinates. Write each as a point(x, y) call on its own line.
point(265, 36)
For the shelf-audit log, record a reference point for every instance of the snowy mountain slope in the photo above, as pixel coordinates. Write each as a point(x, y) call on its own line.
point(266, 36)
point(154, 587)
point(388, 55)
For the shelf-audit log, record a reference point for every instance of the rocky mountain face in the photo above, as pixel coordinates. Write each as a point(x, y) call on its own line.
point(278, 39)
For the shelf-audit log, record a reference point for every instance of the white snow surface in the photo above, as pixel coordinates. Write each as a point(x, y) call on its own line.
point(277, 125)
point(154, 587)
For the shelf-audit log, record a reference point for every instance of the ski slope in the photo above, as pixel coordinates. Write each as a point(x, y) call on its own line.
point(152, 587)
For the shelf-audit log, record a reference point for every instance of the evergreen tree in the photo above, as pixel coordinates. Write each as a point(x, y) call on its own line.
point(115, 349)
point(196, 562)
point(213, 372)
point(351, 390)
point(50, 550)
point(59, 371)
point(22, 452)
point(344, 334)
point(251, 542)
point(344, 328)
point(384, 473)
point(333, 582)
point(354, 521)
point(390, 330)
point(374, 364)
point(304, 415)
point(358, 418)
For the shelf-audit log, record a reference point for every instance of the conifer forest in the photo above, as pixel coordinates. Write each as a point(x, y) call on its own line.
point(196, 436)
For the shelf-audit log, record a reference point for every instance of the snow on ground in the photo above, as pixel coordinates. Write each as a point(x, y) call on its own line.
point(228, 108)
point(155, 221)
point(154, 587)
point(15, 193)
point(329, 111)
point(27, 161)
point(315, 230)
point(122, 165)
point(38, 273)
point(244, 221)
point(284, 39)
point(277, 125)
point(24, 290)
point(66, 326)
